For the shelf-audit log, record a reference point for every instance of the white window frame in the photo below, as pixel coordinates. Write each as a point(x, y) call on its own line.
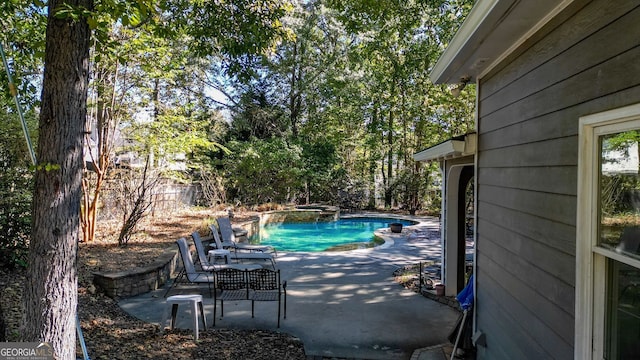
point(590, 301)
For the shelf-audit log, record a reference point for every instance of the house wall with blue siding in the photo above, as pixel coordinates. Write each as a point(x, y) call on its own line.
point(529, 108)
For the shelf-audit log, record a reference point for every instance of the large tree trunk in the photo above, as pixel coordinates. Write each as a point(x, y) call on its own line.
point(51, 293)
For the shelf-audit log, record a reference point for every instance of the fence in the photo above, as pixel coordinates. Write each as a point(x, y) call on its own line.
point(167, 196)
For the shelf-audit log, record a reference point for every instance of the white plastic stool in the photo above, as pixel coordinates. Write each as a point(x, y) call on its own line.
point(218, 254)
point(195, 301)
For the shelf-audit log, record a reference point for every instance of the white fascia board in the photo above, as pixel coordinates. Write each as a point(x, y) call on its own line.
point(446, 150)
point(449, 149)
point(471, 24)
point(491, 32)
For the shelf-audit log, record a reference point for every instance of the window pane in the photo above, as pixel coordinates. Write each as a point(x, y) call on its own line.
point(623, 311)
point(619, 187)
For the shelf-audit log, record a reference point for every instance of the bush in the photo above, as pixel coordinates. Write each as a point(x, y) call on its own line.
point(263, 171)
point(15, 219)
point(16, 185)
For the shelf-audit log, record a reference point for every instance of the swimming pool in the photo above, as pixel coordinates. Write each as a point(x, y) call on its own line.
point(323, 236)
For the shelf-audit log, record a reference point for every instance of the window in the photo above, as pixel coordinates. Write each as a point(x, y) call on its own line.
point(608, 236)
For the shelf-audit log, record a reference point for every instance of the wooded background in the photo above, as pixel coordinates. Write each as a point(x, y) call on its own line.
point(319, 101)
point(255, 101)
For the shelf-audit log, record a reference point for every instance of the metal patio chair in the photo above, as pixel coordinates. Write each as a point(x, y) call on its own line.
point(266, 285)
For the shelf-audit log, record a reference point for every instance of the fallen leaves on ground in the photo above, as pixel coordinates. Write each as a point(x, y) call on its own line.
point(110, 333)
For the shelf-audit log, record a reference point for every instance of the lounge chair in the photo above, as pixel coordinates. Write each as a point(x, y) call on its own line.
point(206, 265)
point(189, 274)
point(239, 256)
point(229, 239)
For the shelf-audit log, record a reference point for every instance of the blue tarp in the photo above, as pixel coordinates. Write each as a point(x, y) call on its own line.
point(465, 297)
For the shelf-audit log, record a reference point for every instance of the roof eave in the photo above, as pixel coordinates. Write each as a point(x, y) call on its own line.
point(492, 30)
point(460, 41)
point(450, 149)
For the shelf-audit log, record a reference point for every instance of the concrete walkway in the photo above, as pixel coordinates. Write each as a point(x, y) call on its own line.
point(343, 304)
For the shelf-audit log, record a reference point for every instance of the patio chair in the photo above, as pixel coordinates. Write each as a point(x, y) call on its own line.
point(265, 285)
point(206, 265)
point(230, 284)
point(229, 238)
point(239, 256)
point(189, 274)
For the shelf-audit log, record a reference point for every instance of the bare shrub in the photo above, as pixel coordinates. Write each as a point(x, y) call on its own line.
point(134, 199)
point(213, 191)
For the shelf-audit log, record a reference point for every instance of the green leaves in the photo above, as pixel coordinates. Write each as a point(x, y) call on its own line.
point(262, 171)
point(73, 13)
point(23, 23)
point(16, 185)
point(47, 167)
point(346, 80)
point(238, 33)
point(357, 75)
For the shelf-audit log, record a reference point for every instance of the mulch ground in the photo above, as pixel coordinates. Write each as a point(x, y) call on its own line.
point(110, 333)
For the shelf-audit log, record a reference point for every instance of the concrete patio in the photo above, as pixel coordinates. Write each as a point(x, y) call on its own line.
point(343, 304)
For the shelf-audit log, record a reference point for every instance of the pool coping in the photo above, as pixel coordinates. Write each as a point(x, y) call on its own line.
point(385, 233)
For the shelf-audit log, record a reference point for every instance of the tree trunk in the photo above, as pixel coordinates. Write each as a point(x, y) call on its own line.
point(106, 124)
point(293, 94)
point(51, 294)
point(307, 193)
point(388, 191)
point(372, 163)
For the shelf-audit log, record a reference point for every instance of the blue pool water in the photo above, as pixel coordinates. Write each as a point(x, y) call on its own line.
point(321, 236)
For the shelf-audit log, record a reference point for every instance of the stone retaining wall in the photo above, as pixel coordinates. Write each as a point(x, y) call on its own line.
point(301, 214)
point(138, 280)
point(251, 227)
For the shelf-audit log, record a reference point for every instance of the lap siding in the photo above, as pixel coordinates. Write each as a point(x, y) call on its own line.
point(528, 303)
point(560, 208)
point(555, 235)
point(511, 328)
point(533, 260)
point(597, 23)
point(569, 62)
point(527, 159)
point(551, 179)
point(606, 78)
point(552, 152)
